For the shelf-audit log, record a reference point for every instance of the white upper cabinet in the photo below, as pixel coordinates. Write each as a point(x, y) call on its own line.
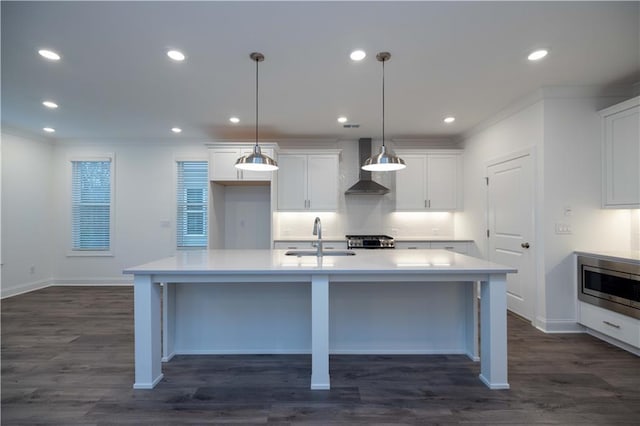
point(621, 155)
point(222, 160)
point(308, 181)
point(431, 181)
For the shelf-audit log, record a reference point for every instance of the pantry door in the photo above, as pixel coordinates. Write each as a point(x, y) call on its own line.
point(511, 227)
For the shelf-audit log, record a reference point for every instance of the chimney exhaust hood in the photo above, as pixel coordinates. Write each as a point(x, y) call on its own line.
point(365, 186)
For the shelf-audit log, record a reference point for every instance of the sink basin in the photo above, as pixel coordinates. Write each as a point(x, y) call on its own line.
point(315, 253)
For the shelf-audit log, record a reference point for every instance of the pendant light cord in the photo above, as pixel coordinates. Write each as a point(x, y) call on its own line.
point(257, 62)
point(383, 102)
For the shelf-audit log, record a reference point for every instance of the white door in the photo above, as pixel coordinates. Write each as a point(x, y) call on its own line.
point(511, 228)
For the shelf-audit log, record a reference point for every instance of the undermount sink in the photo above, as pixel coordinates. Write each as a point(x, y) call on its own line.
point(315, 253)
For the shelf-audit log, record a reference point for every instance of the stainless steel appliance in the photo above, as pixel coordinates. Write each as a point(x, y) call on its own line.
point(610, 284)
point(370, 242)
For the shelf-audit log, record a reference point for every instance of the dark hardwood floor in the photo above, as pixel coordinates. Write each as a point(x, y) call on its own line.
point(67, 358)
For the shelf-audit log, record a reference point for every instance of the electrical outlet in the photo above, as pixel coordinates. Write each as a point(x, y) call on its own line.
point(563, 228)
point(435, 231)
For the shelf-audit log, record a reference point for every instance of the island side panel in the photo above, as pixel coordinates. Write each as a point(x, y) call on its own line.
point(168, 321)
point(493, 332)
point(148, 366)
point(471, 318)
point(320, 332)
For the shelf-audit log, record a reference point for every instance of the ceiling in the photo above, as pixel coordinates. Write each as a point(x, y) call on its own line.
point(466, 59)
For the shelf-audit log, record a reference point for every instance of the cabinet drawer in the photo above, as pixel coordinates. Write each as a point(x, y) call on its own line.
point(412, 245)
point(304, 245)
point(613, 324)
point(452, 246)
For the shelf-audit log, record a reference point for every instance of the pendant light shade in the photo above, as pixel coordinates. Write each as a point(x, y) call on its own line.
point(384, 161)
point(257, 161)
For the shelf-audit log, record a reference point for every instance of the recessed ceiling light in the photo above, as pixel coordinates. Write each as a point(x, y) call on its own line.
point(49, 129)
point(234, 120)
point(449, 120)
point(358, 55)
point(176, 55)
point(176, 129)
point(50, 104)
point(537, 54)
point(342, 119)
point(49, 54)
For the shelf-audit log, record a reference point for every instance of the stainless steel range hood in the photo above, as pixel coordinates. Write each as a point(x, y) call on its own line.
point(365, 186)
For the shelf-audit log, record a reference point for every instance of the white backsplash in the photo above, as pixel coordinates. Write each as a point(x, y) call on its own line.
point(365, 217)
point(635, 229)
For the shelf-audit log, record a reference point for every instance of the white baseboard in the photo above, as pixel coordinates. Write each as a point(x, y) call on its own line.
point(93, 281)
point(267, 351)
point(25, 288)
point(558, 326)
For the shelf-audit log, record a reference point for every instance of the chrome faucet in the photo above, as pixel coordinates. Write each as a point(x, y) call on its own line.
point(317, 230)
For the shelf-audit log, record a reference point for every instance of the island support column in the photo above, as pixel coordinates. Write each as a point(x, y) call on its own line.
point(493, 332)
point(146, 303)
point(320, 332)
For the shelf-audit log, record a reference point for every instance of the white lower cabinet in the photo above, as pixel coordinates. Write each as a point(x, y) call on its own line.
point(456, 246)
point(609, 323)
point(304, 245)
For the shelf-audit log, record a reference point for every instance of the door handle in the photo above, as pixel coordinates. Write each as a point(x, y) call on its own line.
point(525, 245)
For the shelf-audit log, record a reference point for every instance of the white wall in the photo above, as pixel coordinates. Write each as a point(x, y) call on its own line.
point(573, 179)
point(27, 204)
point(144, 206)
point(563, 129)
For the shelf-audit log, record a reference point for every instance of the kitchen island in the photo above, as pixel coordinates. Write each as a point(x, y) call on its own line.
point(435, 272)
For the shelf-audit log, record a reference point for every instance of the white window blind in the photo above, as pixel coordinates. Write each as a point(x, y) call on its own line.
point(91, 205)
point(192, 201)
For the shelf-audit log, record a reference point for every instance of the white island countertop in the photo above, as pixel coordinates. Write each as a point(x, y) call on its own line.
point(397, 261)
point(441, 271)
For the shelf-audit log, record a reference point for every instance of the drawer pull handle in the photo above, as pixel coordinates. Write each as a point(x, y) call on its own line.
point(412, 248)
point(611, 324)
point(448, 248)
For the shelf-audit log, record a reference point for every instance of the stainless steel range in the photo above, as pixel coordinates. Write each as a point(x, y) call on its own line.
point(370, 242)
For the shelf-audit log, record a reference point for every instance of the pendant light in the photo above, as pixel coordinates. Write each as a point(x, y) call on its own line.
point(384, 161)
point(257, 161)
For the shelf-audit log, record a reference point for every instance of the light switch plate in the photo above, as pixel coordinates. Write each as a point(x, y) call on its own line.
point(563, 228)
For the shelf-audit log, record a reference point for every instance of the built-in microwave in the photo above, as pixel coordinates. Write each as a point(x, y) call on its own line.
point(610, 284)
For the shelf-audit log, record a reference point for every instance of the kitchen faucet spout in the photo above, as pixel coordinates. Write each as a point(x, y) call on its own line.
point(317, 230)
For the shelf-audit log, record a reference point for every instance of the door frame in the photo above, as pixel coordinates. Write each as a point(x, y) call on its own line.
point(538, 290)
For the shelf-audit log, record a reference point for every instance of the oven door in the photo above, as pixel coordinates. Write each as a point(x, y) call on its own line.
point(610, 285)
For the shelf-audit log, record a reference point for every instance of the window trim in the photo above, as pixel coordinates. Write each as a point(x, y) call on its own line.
point(71, 252)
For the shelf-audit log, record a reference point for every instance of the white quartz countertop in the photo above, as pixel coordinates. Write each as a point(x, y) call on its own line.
point(401, 239)
point(629, 256)
point(396, 261)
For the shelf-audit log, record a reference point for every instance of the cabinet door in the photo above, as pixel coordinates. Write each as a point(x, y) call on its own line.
point(622, 158)
point(322, 181)
point(292, 182)
point(222, 164)
point(411, 184)
point(253, 175)
point(442, 181)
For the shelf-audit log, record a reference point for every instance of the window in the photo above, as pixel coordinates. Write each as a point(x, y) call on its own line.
point(192, 201)
point(91, 205)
